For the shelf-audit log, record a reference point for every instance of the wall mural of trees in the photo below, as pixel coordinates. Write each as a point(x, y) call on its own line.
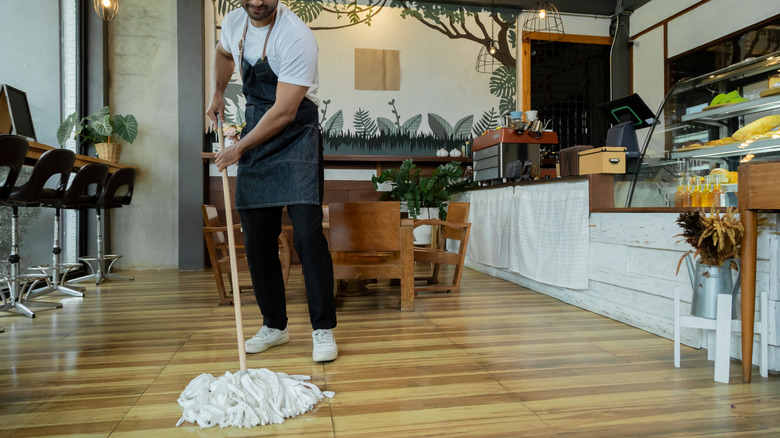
point(356, 130)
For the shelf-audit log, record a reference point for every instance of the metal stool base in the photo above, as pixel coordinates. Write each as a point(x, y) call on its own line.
point(57, 282)
point(100, 273)
point(19, 286)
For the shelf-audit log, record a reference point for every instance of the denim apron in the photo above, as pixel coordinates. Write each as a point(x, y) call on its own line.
point(287, 169)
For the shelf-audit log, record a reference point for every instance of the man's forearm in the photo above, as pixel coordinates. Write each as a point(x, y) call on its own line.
point(269, 125)
point(223, 70)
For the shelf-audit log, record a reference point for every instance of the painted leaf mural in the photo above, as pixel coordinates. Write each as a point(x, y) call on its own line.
point(386, 126)
point(502, 82)
point(411, 126)
point(462, 128)
point(439, 126)
point(365, 126)
point(335, 123)
point(307, 10)
point(489, 120)
point(225, 6)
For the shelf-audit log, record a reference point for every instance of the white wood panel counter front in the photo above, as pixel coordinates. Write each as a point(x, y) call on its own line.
point(632, 263)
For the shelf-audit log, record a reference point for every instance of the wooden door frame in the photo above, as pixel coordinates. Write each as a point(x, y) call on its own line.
point(526, 56)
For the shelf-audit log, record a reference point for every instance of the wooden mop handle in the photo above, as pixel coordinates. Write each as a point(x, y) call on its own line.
point(232, 251)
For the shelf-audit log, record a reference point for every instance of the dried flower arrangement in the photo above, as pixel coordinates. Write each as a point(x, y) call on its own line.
point(716, 238)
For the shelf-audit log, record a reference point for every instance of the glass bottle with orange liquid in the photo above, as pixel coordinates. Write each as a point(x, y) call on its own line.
point(678, 195)
point(686, 197)
point(717, 193)
point(696, 194)
point(706, 192)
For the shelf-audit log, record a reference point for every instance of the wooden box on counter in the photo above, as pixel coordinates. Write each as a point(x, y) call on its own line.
point(603, 160)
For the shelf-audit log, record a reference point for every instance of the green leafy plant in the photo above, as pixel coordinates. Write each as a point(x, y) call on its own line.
point(99, 127)
point(417, 191)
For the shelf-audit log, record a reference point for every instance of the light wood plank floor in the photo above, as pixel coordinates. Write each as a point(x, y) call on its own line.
point(494, 360)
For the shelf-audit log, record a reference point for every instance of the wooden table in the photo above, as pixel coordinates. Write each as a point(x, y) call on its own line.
point(37, 149)
point(758, 189)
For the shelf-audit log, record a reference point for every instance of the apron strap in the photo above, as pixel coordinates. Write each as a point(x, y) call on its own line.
point(243, 36)
point(241, 44)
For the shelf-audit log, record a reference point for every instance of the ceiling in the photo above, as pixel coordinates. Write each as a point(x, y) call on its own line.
point(594, 7)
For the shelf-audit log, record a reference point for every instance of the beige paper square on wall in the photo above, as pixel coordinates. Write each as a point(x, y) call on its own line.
point(377, 69)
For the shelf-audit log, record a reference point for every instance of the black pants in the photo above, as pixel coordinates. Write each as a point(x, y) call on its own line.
point(261, 228)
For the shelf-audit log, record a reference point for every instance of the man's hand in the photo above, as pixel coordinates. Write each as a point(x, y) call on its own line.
point(216, 109)
point(229, 155)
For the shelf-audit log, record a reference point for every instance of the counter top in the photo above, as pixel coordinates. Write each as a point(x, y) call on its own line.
point(374, 158)
point(535, 181)
point(37, 149)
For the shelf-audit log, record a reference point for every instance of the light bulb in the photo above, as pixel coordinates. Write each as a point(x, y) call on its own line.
point(106, 3)
point(542, 14)
point(492, 49)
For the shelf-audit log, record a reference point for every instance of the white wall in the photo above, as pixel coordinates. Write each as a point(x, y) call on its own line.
point(30, 62)
point(30, 59)
point(143, 68)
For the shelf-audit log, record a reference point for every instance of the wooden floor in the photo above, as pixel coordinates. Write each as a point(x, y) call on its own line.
point(495, 360)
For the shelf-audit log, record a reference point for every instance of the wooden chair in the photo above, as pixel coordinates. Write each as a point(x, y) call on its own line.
point(217, 245)
point(369, 240)
point(456, 227)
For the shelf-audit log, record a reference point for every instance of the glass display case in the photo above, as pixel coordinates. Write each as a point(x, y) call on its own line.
point(705, 127)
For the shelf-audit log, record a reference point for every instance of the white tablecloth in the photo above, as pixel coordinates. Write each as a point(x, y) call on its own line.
point(537, 231)
point(489, 215)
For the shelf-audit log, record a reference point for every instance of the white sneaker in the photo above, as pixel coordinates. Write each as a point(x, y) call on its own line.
point(325, 348)
point(266, 338)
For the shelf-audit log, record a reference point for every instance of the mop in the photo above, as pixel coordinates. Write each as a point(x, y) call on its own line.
point(249, 397)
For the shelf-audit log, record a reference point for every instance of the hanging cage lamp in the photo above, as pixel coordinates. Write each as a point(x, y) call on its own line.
point(106, 9)
point(486, 60)
point(543, 22)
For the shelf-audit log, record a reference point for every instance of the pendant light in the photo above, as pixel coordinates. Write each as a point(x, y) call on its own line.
point(543, 22)
point(106, 9)
point(486, 60)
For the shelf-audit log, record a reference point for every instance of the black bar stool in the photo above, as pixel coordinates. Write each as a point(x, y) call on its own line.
point(84, 190)
point(110, 198)
point(52, 163)
point(13, 151)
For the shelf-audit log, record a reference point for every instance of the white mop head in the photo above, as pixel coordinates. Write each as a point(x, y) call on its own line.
point(247, 399)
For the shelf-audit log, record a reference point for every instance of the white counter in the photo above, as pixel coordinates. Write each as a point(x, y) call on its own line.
point(630, 260)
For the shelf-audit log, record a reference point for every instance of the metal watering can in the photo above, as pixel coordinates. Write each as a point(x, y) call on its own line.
point(707, 282)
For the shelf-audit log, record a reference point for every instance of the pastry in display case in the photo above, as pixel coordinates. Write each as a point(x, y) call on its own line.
point(705, 128)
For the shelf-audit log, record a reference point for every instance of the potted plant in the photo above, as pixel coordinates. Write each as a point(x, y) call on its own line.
point(102, 130)
point(716, 240)
point(421, 194)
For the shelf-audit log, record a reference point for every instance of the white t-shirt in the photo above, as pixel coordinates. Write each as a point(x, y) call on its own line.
point(292, 48)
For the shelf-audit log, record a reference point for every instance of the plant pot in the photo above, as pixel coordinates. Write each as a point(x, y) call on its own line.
point(422, 234)
point(707, 282)
point(109, 151)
